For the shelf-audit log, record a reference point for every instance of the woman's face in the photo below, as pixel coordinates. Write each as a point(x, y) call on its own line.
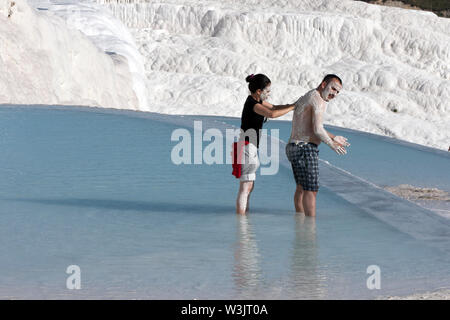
point(265, 94)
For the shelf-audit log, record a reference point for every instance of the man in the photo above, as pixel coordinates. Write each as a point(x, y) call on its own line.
point(307, 133)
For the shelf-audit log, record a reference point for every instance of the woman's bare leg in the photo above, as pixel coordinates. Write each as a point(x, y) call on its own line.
point(248, 199)
point(245, 188)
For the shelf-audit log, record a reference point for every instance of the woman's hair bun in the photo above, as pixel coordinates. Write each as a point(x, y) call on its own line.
point(257, 81)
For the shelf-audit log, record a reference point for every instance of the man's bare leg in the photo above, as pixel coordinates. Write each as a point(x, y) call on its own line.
point(309, 203)
point(245, 188)
point(298, 199)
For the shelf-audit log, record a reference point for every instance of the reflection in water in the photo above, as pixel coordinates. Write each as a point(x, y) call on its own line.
point(246, 271)
point(305, 279)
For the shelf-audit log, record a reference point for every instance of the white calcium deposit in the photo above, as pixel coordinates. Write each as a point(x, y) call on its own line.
point(44, 60)
point(394, 63)
point(192, 57)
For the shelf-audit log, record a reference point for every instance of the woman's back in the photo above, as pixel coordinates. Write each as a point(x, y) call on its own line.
point(250, 119)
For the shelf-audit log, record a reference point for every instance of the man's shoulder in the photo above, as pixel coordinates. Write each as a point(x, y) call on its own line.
point(315, 99)
point(311, 98)
point(304, 98)
point(313, 94)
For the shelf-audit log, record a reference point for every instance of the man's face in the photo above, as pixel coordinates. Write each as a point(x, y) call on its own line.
point(331, 90)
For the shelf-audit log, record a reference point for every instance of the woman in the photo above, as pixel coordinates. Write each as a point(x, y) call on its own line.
point(256, 109)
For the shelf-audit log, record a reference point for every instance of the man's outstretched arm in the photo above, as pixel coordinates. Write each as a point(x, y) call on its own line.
point(319, 130)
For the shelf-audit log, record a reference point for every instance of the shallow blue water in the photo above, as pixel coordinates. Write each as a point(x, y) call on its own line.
point(97, 189)
point(381, 160)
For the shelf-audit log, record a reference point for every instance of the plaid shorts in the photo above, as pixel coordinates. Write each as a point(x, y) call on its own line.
point(304, 159)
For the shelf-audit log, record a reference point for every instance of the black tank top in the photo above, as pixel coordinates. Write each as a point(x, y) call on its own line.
point(250, 119)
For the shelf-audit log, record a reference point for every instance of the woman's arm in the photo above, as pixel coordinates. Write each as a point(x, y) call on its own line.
point(271, 106)
point(274, 112)
point(267, 104)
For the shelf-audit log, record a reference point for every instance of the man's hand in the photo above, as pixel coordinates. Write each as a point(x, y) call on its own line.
point(342, 141)
point(339, 149)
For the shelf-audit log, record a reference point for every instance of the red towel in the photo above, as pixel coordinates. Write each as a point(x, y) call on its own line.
point(236, 156)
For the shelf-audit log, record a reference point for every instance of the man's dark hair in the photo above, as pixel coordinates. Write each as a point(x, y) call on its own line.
point(329, 77)
point(257, 81)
